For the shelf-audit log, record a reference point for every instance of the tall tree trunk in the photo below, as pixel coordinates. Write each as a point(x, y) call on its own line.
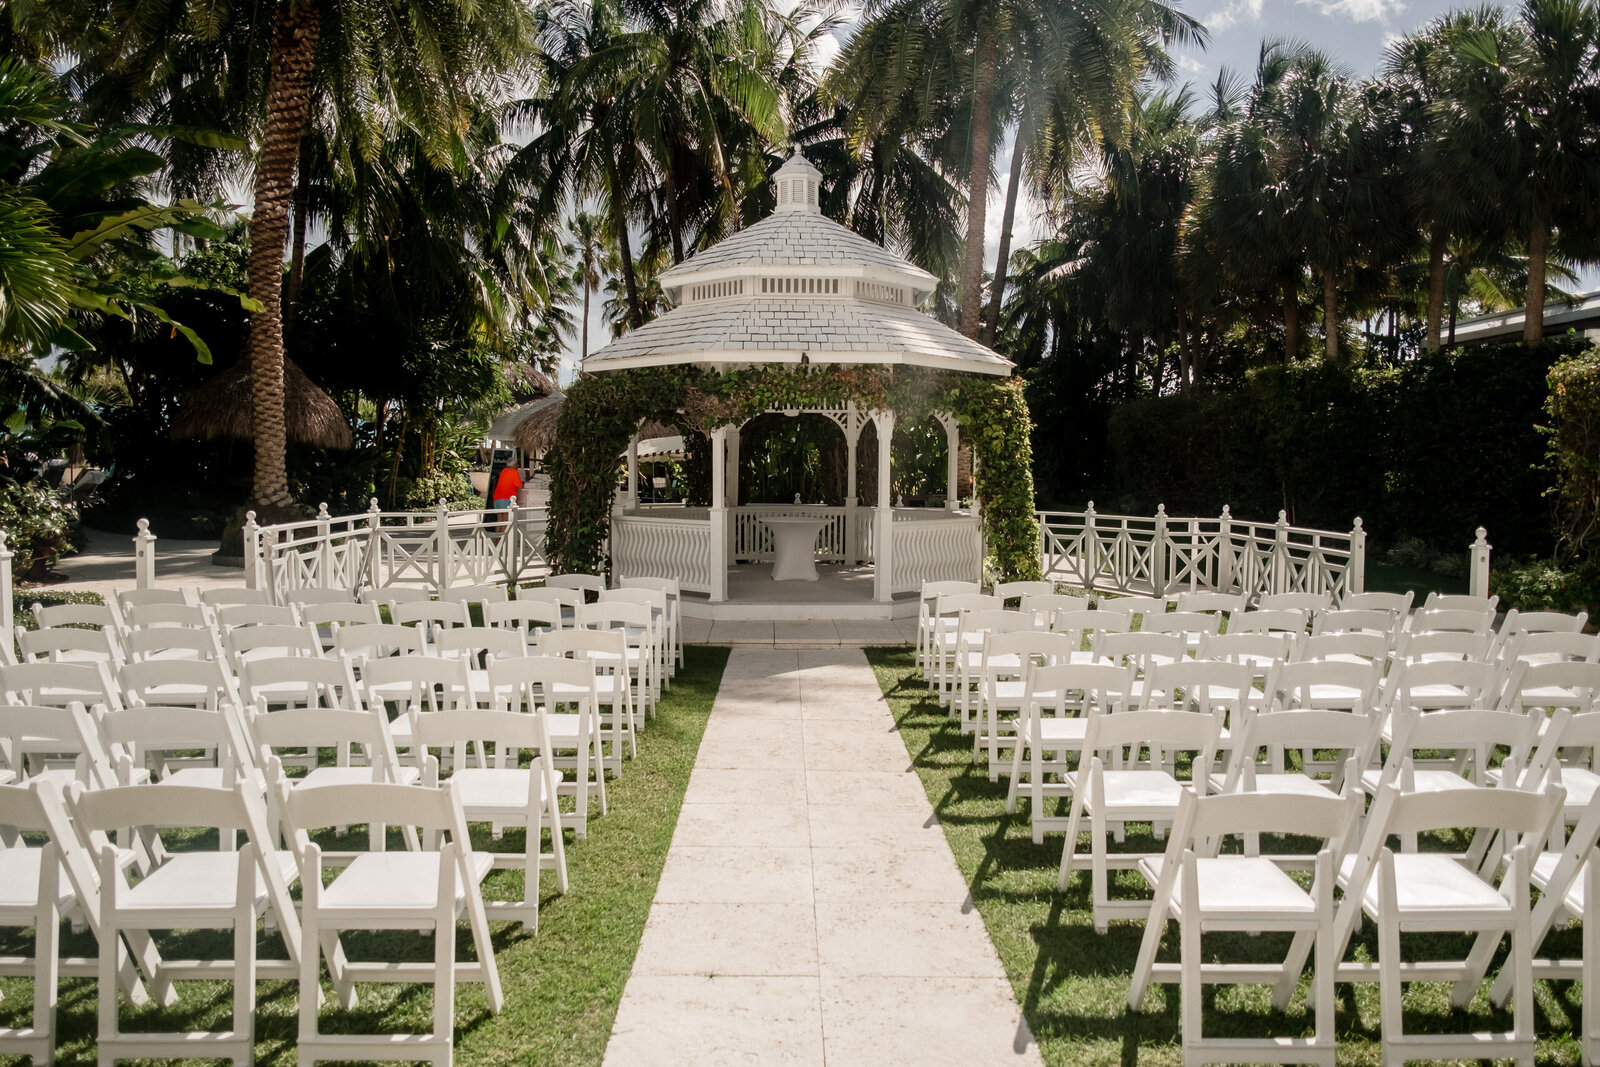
point(297, 243)
point(294, 48)
point(1538, 250)
point(583, 350)
point(619, 220)
point(674, 218)
point(1330, 315)
point(1291, 321)
point(978, 184)
point(1435, 288)
point(1013, 184)
point(1455, 306)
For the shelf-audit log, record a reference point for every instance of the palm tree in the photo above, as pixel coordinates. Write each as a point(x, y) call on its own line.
point(594, 260)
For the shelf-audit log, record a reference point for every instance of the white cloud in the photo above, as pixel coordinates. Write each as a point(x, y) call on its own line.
point(1190, 65)
point(1232, 13)
point(1358, 10)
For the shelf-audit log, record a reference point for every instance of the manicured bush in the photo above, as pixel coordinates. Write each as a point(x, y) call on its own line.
point(38, 526)
point(1574, 409)
point(23, 600)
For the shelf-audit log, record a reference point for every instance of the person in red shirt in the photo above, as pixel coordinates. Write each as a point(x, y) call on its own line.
point(505, 488)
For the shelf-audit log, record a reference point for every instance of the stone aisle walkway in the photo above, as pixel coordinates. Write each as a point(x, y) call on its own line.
point(810, 911)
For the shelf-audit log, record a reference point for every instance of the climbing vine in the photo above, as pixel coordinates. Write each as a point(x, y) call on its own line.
point(601, 413)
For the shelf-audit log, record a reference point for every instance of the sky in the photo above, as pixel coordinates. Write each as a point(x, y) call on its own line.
point(1354, 33)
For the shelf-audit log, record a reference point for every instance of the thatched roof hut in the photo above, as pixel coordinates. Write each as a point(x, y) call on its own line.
point(221, 409)
point(535, 425)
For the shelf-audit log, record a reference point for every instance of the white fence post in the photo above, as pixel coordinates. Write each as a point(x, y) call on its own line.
point(252, 552)
point(1158, 553)
point(1357, 580)
point(1478, 573)
point(324, 546)
point(444, 549)
point(374, 545)
point(1091, 548)
point(1280, 555)
point(1225, 550)
point(6, 591)
point(144, 556)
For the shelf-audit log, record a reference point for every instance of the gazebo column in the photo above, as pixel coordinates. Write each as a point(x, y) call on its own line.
point(952, 462)
point(630, 499)
point(883, 515)
point(852, 530)
point(719, 515)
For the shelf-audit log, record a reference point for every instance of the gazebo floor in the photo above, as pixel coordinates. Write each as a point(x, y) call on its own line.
point(839, 593)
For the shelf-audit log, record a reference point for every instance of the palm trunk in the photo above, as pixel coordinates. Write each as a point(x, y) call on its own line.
point(1330, 316)
point(619, 220)
point(297, 245)
point(1013, 184)
point(1538, 250)
point(978, 185)
point(674, 218)
point(583, 351)
point(294, 49)
point(1291, 322)
point(1435, 289)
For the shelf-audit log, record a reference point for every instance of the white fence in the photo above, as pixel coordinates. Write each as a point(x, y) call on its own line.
point(1162, 553)
point(941, 549)
point(664, 544)
point(435, 549)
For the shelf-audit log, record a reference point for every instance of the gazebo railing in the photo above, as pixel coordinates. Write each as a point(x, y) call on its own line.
point(752, 541)
point(943, 548)
point(659, 544)
point(436, 549)
point(1162, 553)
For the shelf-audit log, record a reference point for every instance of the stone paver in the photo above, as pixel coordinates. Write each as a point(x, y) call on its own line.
point(810, 911)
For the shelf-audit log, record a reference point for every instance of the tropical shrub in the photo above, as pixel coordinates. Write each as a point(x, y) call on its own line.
point(38, 526)
point(1547, 585)
point(455, 488)
point(23, 600)
point(1574, 409)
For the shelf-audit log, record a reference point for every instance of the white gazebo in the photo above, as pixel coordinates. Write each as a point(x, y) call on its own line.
point(798, 289)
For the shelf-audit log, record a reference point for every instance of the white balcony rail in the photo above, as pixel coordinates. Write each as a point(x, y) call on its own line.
point(667, 543)
point(435, 549)
point(1162, 553)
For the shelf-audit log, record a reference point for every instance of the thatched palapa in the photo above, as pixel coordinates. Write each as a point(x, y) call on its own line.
point(536, 431)
point(221, 409)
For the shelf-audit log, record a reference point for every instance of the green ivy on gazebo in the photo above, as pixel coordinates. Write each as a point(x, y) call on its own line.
point(601, 414)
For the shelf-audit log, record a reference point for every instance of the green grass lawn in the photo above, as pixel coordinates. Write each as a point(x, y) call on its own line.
point(1072, 983)
point(562, 984)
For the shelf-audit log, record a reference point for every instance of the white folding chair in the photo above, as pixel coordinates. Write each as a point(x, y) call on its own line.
point(973, 630)
point(477, 646)
point(1291, 621)
point(1139, 786)
point(248, 643)
point(33, 894)
point(661, 622)
point(188, 890)
point(1003, 687)
point(1135, 606)
point(506, 793)
point(309, 596)
point(927, 612)
point(541, 685)
point(57, 685)
point(1443, 644)
point(584, 583)
point(1444, 683)
point(1044, 607)
point(1141, 651)
point(1310, 603)
point(674, 592)
point(637, 624)
point(171, 643)
point(233, 616)
point(430, 616)
point(1229, 604)
point(1375, 621)
point(70, 644)
point(1083, 629)
point(1007, 591)
point(1328, 685)
point(1483, 605)
point(430, 683)
point(1447, 620)
point(1263, 653)
point(533, 618)
point(1205, 892)
point(391, 595)
point(428, 890)
point(1051, 728)
point(606, 652)
point(165, 614)
point(1398, 605)
point(99, 615)
point(298, 681)
point(179, 682)
point(1433, 892)
point(59, 745)
point(481, 595)
point(942, 634)
point(566, 601)
point(375, 641)
point(1348, 647)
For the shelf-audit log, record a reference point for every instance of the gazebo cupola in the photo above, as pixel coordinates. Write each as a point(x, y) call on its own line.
point(798, 288)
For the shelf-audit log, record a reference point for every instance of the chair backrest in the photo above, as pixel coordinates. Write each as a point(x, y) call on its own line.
point(1204, 685)
point(1180, 622)
point(234, 596)
point(307, 596)
point(130, 598)
point(341, 612)
point(356, 732)
point(1444, 644)
point(1268, 621)
point(1204, 600)
point(69, 644)
point(670, 586)
point(1553, 645)
point(1353, 737)
point(610, 645)
point(170, 642)
point(1542, 622)
point(178, 682)
point(1310, 603)
point(624, 616)
point(458, 731)
point(475, 643)
point(436, 612)
point(233, 616)
point(1135, 605)
point(655, 599)
point(1077, 687)
point(566, 599)
point(1348, 645)
point(1561, 684)
point(1328, 684)
point(166, 614)
point(542, 681)
point(144, 731)
point(320, 682)
point(54, 732)
point(959, 603)
point(390, 595)
point(1484, 605)
point(374, 641)
point(473, 594)
point(1160, 734)
point(1084, 625)
point(976, 623)
point(531, 617)
point(434, 682)
point(1030, 647)
point(1139, 649)
point(1396, 604)
point(263, 642)
point(1203, 822)
point(57, 685)
point(1254, 649)
point(588, 583)
point(320, 807)
point(47, 615)
point(1046, 606)
point(1451, 683)
point(1442, 620)
point(1480, 731)
point(934, 590)
point(1354, 620)
point(1018, 590)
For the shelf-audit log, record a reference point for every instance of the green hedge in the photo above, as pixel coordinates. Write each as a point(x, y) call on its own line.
point(1430, 449)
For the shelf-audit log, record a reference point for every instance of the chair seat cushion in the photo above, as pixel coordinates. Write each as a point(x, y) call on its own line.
point(1428, 883)
point(1240, 887)
point(395, 881)
point(497, 788)
point(19, 884)
point(201, 881)
point(1141, 790)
